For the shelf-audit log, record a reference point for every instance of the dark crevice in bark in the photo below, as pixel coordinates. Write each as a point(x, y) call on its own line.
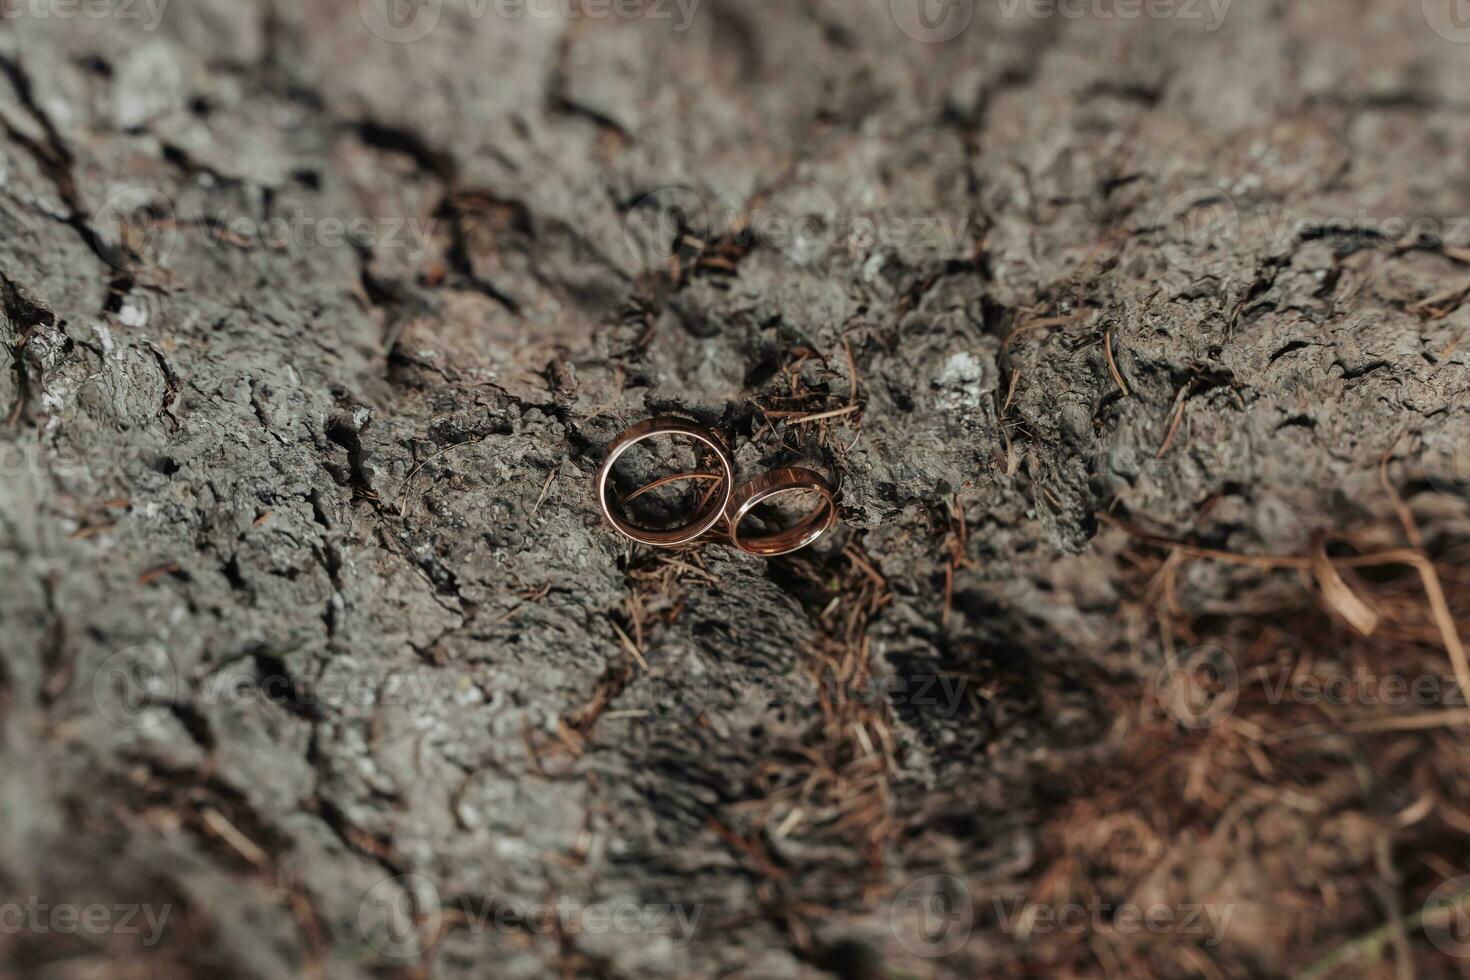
point(404, 141)
point(55, 159)
point(371, 846)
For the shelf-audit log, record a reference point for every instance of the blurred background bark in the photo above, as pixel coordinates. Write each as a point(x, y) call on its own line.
point(316, 655)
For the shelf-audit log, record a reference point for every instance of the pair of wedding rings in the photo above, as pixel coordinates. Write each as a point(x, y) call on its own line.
point(727, 503)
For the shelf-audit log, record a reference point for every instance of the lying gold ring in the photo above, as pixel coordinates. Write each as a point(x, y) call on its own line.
point(768, 485)
point(707, 517)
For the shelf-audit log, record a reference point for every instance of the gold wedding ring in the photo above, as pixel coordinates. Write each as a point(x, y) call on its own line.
point(790, 479)
point(708, 516)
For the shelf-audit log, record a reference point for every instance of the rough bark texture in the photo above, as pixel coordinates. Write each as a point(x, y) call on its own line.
point(311, 630)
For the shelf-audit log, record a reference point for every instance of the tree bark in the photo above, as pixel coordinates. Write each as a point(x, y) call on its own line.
point(315, 330)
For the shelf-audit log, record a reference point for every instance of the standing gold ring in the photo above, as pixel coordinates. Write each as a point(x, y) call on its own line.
point(707, 517)
point(787, 480)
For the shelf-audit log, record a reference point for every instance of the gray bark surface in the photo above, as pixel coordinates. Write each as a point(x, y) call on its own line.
point(312, 631)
